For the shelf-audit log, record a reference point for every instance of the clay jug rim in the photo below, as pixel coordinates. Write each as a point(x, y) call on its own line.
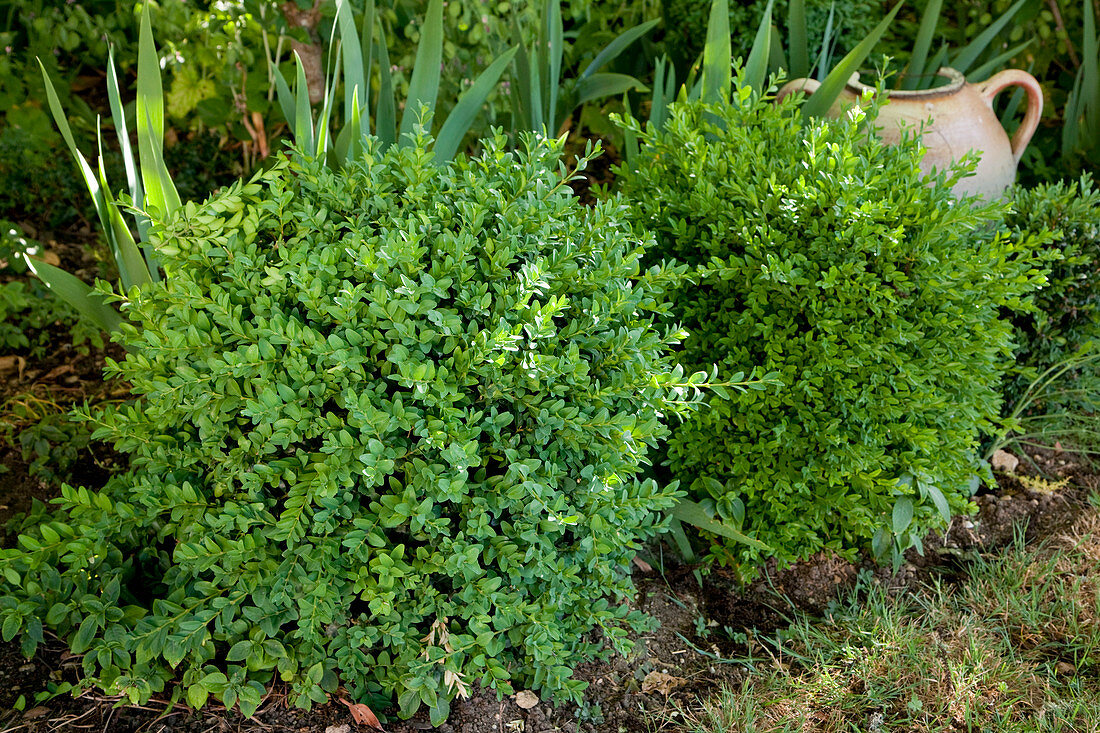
point(955, 82)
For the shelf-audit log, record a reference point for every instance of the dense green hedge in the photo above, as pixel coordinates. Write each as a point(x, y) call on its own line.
point(387, 433)
point(826, 257)
point(1067, 308)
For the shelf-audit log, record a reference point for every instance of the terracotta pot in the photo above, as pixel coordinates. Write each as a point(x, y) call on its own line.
point(957, 118)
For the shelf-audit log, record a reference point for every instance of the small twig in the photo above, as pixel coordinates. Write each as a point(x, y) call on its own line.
point(1061, 28)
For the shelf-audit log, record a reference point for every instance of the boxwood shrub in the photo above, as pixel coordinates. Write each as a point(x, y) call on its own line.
point(826, 257)
point(1067, 309)
point(387, 434)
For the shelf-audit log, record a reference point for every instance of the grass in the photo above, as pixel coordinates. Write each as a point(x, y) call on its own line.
point(1013, 647)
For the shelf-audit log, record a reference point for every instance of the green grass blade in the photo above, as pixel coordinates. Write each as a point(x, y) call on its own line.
point(717, 55)
point(798, 39)
point(303, 114)
point(692, 513)
point(160, 192)
point(605, 84)
point(756, 68)
point(79, 295)
point(923, 44)
point(822, 99)
point(385, 115)
point(556, 48)
point(469, 105)
point(424, 85)
point(352, 55)
point(965, 58)
point(617, 46)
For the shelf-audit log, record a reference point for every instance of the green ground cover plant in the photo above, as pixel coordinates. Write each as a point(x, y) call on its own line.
point(826, 257)
point(388, 429)
point(1011, 647)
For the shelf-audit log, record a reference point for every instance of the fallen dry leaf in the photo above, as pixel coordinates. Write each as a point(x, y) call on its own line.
point(642, 565)
point(660, 682)
point(9, 364)
point(526, 699)
point(363, 715)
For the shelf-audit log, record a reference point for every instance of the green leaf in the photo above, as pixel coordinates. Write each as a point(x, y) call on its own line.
point(717, 55)
point(822, 99)
point(118, 116)
point(603, 85)
point(239, 651)
point(756, 68)
point(965, 58)
point(385, 113)
point(798, 39)
point(355, 83)
point(903, 514)
point(197, 695)
point(982, 72)
point(349, 141)
point(939, 500)
point(922, 45)
point(12, 623)
point(556, 47)
point(617, 46)
point(438, 713)
point(664, 82)
point(160, 192)
point(881, 542)
point(469, 105)
point(84, 635)
point(303, 114)
point(680, 538)
point(424, 84)
point(77, 294)
point(132, 267)
point(286, 99)
point(694, 514)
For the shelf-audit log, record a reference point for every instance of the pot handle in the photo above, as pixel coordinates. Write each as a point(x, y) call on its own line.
point(1015, 77)
point(796, 85)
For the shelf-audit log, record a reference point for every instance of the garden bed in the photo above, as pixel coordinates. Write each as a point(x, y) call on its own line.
point(712, 637)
